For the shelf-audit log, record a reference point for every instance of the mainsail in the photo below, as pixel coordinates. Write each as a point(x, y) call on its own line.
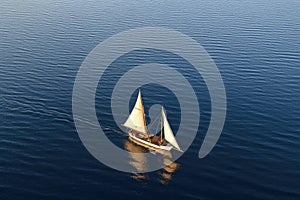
point(136, 119)
point(169, 136)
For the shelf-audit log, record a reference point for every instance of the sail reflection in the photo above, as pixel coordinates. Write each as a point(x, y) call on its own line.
point(139, 162)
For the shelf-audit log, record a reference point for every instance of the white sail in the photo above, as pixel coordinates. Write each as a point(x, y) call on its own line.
point(169, 136)
point(136, 119)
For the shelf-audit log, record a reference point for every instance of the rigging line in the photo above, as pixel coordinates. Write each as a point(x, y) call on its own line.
point(157, 128)
point(153, 122)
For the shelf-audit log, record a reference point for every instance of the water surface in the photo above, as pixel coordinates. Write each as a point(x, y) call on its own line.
point(255, 45)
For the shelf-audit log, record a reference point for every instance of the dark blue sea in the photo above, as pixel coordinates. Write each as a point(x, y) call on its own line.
point(254, 43)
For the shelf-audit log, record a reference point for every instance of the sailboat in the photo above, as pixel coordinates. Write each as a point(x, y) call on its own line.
point(138, 133)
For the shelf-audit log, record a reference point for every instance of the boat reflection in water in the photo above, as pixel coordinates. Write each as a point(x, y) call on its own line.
point(140, 163)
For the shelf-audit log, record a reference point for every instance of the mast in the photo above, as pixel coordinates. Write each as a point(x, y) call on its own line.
point(145, 122)
point(161, 133)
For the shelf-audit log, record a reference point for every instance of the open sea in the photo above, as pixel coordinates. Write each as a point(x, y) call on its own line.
point(256, 47)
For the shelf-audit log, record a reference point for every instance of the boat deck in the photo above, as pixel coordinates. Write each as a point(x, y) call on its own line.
point(148, 142)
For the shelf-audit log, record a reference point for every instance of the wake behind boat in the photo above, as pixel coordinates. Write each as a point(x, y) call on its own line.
point(138, 133)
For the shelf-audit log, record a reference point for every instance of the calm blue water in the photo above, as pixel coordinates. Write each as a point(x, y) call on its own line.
point(254, 43)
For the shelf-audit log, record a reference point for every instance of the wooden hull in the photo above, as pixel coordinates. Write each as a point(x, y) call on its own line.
point(147, 144)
